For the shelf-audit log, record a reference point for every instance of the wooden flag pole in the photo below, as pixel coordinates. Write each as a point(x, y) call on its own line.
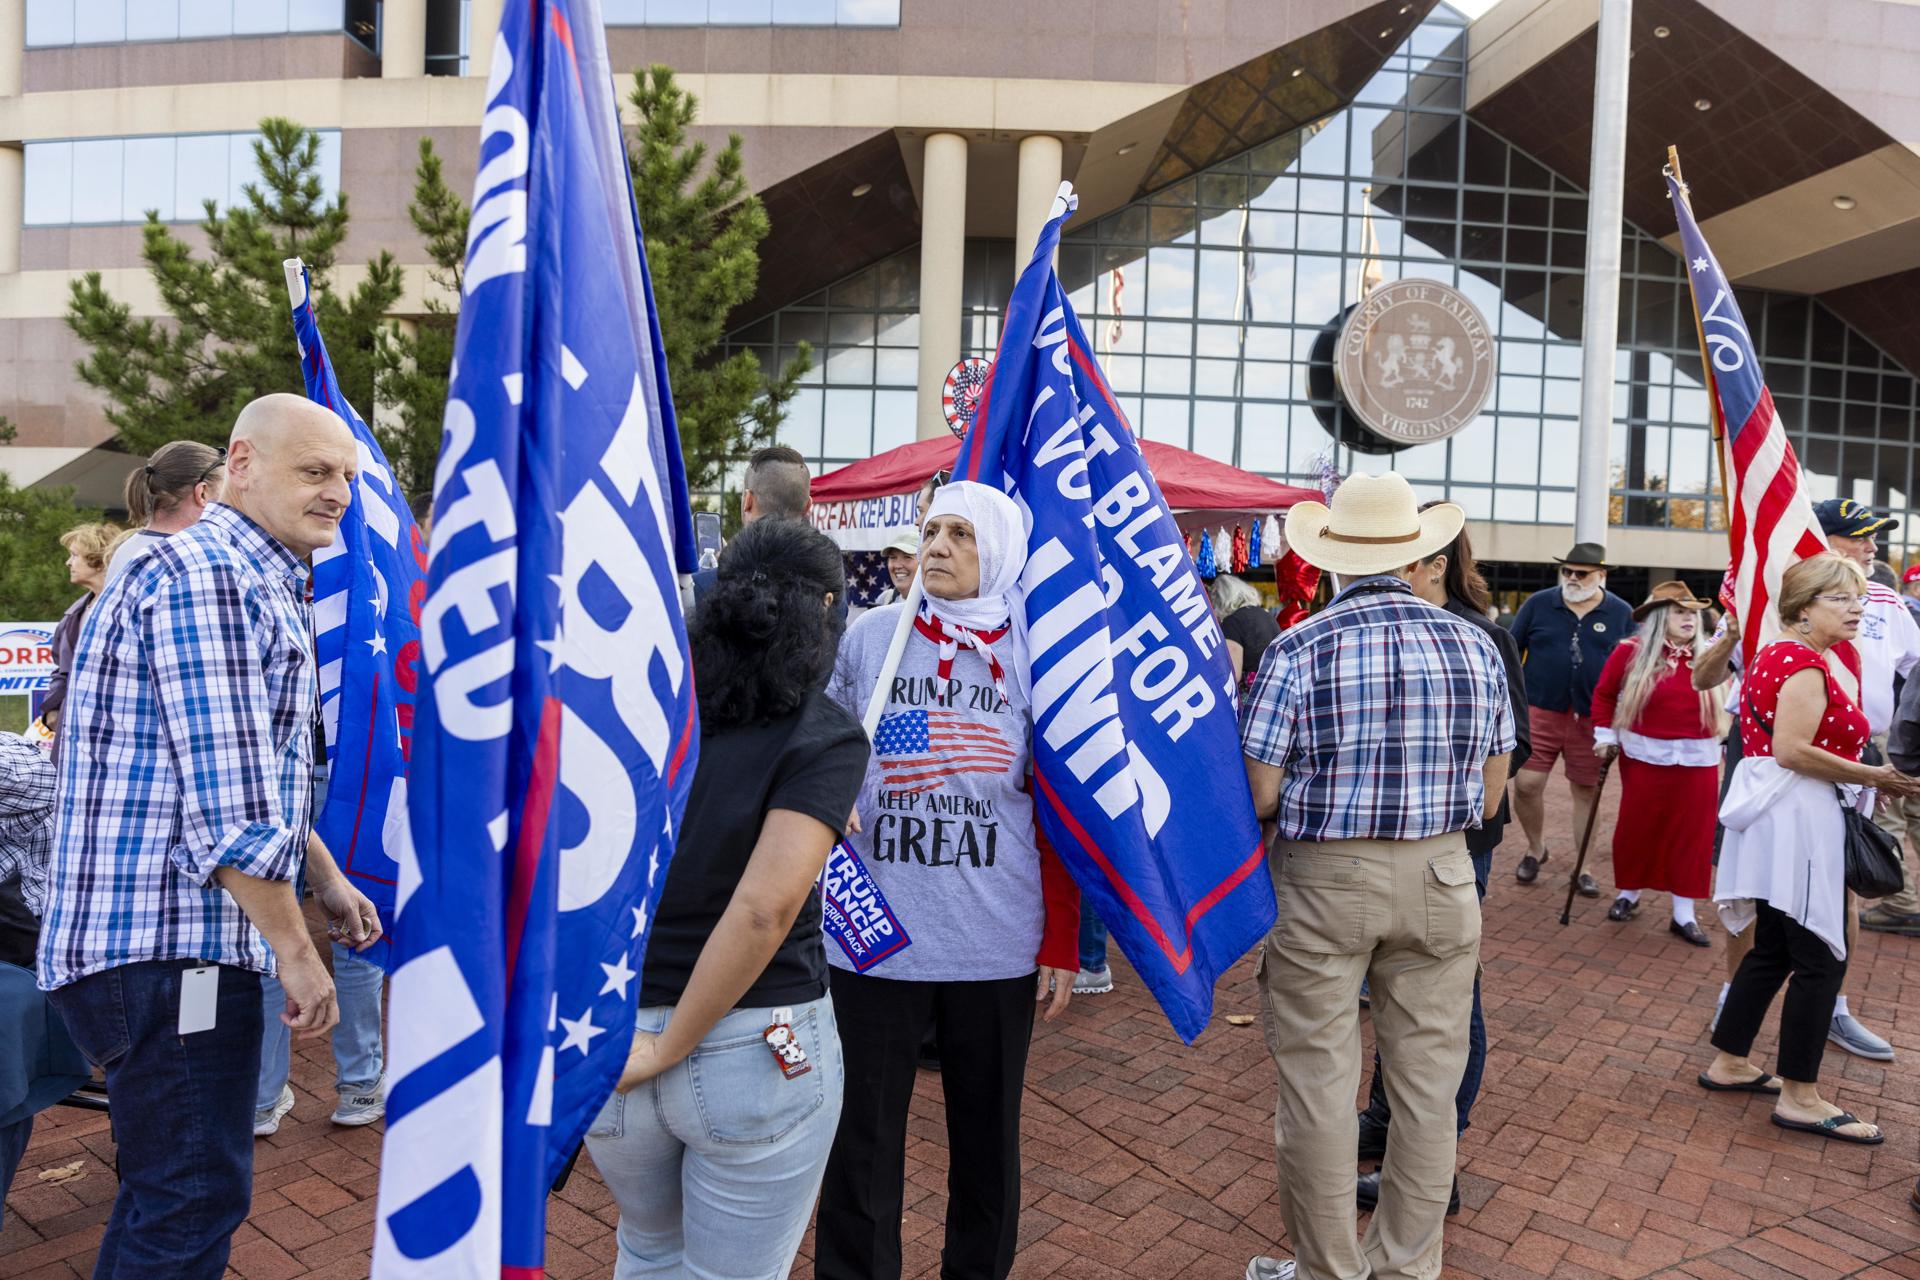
point(1706, 362)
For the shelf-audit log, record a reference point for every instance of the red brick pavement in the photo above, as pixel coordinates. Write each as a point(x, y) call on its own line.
point(1593, 1153)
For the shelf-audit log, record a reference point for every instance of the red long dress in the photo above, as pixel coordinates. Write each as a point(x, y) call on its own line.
point(1663, 838)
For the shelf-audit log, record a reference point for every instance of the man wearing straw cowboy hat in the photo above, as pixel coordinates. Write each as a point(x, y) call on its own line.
point(1376, 734)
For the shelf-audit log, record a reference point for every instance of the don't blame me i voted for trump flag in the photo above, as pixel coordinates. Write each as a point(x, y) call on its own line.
point(1138, 775)
point(555, 736)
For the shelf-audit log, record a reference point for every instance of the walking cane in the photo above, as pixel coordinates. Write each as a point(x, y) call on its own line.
point(1573, 885)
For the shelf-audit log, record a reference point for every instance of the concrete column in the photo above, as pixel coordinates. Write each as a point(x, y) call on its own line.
point(13, 209)
point(403, 39)
point(943, 252)
point(1041, 158)
point(483, 24)
point(1600, 316)
point(13, 47)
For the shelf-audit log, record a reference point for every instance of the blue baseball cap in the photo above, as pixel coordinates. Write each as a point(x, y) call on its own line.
point(1845, 518)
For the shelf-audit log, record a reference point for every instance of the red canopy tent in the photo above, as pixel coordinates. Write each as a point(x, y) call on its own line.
point(860, 505)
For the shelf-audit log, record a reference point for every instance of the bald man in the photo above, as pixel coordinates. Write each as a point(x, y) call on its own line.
point(182, 813)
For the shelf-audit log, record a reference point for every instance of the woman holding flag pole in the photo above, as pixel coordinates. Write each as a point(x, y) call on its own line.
point(946, 830)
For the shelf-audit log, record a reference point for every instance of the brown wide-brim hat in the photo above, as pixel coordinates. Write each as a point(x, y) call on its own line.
point(1375, 525)
point(1675, 592)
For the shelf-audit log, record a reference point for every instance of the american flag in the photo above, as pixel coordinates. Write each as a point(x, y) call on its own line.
point(1770, 523)
point(867, 577)
point(918, 749)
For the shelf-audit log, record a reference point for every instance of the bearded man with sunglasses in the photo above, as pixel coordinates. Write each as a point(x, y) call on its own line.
point(1565, 633)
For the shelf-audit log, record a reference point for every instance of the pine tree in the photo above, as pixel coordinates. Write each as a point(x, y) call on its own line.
point(34, 586)
point(414, 366)
point(226, 337)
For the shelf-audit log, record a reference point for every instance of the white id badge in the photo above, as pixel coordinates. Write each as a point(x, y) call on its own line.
point(199, 998)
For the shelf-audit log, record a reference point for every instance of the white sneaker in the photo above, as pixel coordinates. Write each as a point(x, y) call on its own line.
point(1847, 1032)
point(1270, 1269)
point(266, 1123)
point(356, 1109)
point(1093, 982)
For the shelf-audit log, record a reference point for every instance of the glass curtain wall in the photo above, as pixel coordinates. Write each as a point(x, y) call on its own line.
point(1207, 299)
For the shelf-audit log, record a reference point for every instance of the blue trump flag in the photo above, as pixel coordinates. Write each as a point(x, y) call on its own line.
point(1138, 776)
point(556, 734)
point(368, 588)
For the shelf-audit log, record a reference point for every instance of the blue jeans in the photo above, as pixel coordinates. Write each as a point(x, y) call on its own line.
point(181, 1118)
point(1378, 1109)
point(13, 1145)
point(715, 1163)
point(1093, 939)
point(357, 1059)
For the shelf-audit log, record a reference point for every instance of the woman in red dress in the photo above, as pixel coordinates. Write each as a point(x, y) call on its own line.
point(1667, 738)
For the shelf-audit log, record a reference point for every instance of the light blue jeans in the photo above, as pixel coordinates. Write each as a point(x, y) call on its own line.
point(357, 1057)
point(716, 1163)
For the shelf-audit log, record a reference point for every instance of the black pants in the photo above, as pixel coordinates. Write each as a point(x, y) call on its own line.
point(984, 1029)
point(1782, 947)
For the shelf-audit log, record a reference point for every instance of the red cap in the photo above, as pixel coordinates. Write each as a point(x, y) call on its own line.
point(1912, 574)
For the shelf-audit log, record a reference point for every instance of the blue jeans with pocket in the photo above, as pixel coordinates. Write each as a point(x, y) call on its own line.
point(182, 1114)
point(357, 1057)
point(715, 1163)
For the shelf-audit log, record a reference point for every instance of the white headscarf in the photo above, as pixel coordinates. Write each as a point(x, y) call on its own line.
point(1000, 534)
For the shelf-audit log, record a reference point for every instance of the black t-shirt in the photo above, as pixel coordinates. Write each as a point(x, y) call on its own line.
point(808, 762)
point(1253, 629)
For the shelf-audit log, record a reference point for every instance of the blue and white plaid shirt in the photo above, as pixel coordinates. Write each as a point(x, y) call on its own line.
point(1381, 710)
point(188, 747)
point(26, 817)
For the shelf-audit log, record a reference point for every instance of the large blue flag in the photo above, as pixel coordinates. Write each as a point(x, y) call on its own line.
point(367, 591)
point(1138, 777)
point(556, 734)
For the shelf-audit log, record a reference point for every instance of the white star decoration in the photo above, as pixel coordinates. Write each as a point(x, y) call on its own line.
point(580, 1032)
point(639, 922)
point(1699, 264)
point(378, 644)
point(618, 976)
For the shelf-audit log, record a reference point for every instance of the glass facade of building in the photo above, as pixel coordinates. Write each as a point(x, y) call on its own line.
point(1207, 300)
point(51, 23)
point(95, 181)
point(751, 13)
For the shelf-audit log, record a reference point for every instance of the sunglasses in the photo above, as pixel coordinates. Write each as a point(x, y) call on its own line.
point(1577, 575)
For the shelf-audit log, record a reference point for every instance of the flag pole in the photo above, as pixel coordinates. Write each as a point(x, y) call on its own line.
point(902, 626)
point(296, 280)
point(1706, 366)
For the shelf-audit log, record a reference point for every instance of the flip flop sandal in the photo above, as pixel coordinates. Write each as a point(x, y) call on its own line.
point(1830, 1128)
point(1762, 1083)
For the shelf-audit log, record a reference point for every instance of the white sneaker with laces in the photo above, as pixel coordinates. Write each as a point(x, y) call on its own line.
point(1264, 1268)
point(356, 1109)
point(1093, 982)
point(267, 1123)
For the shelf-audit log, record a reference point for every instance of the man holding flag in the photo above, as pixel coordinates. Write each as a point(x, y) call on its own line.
point(555, 734)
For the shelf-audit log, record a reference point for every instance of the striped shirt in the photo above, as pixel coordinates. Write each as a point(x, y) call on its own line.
point(1381, 711)
point(26, 817)
point(189, 747)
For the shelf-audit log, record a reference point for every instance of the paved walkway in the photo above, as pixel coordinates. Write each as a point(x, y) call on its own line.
point(1593, 1153)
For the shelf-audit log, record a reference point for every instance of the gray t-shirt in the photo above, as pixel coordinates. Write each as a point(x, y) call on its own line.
point(947, 824)
point(137, 545)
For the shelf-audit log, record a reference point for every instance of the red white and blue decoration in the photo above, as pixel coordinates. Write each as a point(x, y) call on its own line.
point(368, 589)
point(556, 733)
point(1131, 689)
point(960, 397)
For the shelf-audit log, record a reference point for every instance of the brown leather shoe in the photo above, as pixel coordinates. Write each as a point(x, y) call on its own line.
point(1529, 869)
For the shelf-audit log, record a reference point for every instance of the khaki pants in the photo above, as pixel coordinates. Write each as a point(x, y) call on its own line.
point(1900, 818)
point(1405, 914)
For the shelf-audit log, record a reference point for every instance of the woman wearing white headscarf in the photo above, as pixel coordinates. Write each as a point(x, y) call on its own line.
point(947, 831)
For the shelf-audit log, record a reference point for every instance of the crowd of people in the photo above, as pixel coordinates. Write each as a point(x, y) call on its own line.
point(154, 860)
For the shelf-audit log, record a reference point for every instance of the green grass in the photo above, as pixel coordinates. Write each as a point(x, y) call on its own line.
point(14, 713)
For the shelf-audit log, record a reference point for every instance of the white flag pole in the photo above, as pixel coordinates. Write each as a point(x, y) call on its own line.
point(902, 628)
point(296, 280)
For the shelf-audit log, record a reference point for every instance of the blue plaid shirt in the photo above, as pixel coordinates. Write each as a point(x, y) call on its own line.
point(1381, 710)
point(188, 747)
point(26, 817)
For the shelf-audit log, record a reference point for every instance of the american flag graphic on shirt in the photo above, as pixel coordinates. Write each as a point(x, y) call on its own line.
point(918, 749)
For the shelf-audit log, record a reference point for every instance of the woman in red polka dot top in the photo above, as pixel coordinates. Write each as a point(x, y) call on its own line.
point(1781, 869)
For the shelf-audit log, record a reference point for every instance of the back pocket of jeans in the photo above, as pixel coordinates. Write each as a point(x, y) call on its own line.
point(612, 1120)
point(744, 1098)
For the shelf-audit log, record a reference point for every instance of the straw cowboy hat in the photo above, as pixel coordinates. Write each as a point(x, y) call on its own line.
point(1674, 592)
point(1375, 525)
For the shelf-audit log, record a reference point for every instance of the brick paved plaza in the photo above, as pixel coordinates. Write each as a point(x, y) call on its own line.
point(1593, 1153)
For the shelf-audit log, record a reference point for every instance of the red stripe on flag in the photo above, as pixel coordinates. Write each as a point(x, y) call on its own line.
point(533, 829)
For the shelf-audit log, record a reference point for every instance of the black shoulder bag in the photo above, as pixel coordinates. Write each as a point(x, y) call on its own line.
point(1872, 857)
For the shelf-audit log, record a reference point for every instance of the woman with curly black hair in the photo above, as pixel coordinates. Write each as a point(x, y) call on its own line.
point(716, 1138)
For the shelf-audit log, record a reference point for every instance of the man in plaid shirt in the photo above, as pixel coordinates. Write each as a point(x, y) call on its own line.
point(183, 805)
point(1376, 734)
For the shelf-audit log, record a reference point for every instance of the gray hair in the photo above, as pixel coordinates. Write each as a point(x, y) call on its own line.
point(1230, 593)
point(778, 478)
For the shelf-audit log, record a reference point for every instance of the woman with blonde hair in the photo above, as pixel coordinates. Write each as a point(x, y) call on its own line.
point(1782, 870)
point(1667, 737)
point(88, 546)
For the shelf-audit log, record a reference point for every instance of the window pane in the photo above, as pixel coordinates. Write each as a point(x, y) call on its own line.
point(740, 13)
point(149, 179)
point(869, 13)
point(203, 18)
point(316, 15)
point(849, 424)
point(99, 21)
point(96, 180)
point(668, 13)
point(259, 17)
point(329, 160)
point(49, 22)
point(154, 20)
point(199, 175)
point(49, 183)
point(630, 13)
point(804, 13)
point(242, 171)
point(893, 419)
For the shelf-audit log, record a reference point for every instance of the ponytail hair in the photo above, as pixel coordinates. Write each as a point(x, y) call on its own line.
point(763, 636)
point(168, 478)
